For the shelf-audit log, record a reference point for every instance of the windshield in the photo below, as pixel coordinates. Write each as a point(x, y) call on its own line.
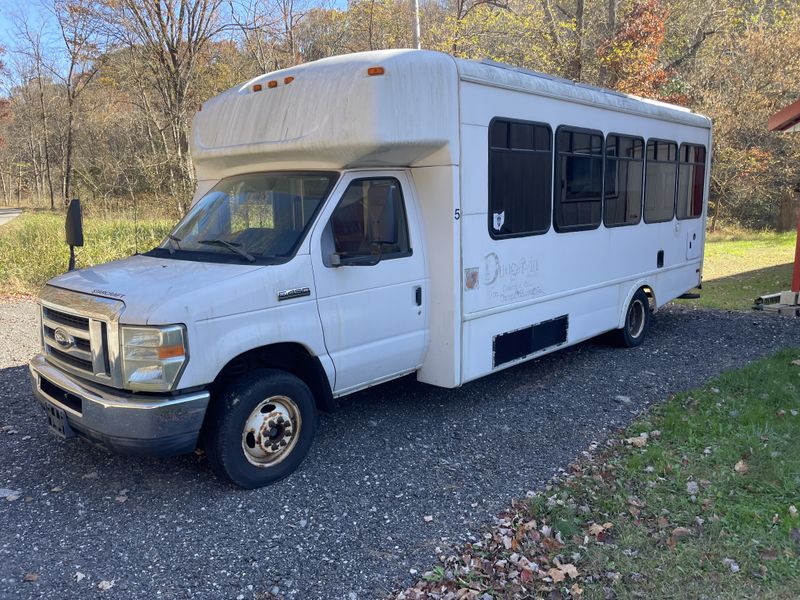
point(250, 218)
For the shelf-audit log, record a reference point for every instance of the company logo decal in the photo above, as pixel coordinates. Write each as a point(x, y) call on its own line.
point(63, 339)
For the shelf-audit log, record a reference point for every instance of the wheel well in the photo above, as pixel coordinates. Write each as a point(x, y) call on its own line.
point(650, 296)
point(290, 357)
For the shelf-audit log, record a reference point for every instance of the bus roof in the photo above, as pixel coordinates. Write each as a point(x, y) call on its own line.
point(333, 113)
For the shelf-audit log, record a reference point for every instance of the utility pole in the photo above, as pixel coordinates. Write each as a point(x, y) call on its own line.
point(415, 24)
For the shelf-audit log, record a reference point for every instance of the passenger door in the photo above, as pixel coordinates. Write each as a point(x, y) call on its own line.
point(370, 274)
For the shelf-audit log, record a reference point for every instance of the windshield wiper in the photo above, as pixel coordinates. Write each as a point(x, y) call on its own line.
point(174, 243)
point(233, 246)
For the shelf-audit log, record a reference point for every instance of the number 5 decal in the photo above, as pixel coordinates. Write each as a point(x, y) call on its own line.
point(458, 214)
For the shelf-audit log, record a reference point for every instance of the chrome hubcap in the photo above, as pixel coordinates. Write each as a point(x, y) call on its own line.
point(271, 431)
point(636, 317)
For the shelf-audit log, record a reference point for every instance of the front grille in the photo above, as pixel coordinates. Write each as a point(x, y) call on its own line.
point(66, 319)
point(80, 335)
point(78, 363)
point(75, 342)
point(80, 343)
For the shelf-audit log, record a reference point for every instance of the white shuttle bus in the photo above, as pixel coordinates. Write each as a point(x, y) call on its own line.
point(364, 217)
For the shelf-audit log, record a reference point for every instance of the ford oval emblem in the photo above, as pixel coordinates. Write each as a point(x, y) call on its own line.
point(63, 339)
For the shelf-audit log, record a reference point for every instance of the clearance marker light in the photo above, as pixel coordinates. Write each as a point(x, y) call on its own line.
point(272, 84)
point(257, 87)
point(375, 71)
point(288, 80)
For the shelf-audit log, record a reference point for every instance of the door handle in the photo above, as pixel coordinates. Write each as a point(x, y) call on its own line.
point(418, 295)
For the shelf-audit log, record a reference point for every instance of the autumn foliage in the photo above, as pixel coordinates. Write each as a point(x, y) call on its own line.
point(631, 57)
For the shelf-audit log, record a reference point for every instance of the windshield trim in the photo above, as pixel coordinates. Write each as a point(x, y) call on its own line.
point(163, 251)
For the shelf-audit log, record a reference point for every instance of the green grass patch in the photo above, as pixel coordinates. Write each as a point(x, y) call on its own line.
point(695, 500)
point(32, 247)
point(742, 265)
point(742, 539)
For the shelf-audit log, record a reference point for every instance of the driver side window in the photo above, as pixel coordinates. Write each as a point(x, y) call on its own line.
point(370, 220)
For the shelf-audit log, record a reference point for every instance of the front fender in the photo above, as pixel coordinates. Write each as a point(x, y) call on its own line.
point(214, 342)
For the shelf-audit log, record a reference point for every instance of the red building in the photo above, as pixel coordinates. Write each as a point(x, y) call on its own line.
point(788, 119)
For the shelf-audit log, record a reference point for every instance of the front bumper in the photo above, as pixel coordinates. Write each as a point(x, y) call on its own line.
point(123, 422)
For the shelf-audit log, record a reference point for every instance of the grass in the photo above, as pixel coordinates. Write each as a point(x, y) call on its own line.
point(703, 506)
point(32, 247)
point(740, 266)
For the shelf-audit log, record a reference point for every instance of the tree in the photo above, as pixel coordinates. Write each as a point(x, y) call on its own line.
point(169, 36)
point(631, 58)
point(84, 44)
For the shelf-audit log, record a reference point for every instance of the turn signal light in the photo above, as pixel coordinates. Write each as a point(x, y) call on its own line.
point(257, 87)
point(288, 80)
point(375, 71)
point(272, 84)
point(170, 352)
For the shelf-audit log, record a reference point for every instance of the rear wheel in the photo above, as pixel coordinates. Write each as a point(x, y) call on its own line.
point(260, 428)
point(637, 322)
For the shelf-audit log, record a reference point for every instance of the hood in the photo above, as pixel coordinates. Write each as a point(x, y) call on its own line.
point(157, 290)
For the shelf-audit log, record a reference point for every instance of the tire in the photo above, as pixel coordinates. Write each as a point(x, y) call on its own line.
point(260, 428)
point(637, 322)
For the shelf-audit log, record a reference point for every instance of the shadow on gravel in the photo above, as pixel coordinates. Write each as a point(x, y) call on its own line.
point(404, 408)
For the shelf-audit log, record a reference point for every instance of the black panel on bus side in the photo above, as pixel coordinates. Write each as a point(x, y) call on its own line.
point(517, 344)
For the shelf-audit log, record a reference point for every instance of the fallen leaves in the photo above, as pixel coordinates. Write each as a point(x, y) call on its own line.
point(741, 467)
point(677, 534)
point(769, 554)
point(731, 564)
point(639, 441)
point(30, 577)
point(427, 518)
point(9, 494)
point(793, 511)
point(598, 530)
point(560, 572)
point(104, 585)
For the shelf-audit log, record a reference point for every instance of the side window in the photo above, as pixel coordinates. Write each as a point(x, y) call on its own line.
point(520, 178)
point(623, 181)
point(370, 220)
point(691, 181)
point(660, 178)
point(579, 179)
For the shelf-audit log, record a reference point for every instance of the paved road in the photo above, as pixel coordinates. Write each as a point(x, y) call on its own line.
point(6, 214)
point(350, 524)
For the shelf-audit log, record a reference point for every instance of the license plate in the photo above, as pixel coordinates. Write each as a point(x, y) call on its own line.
point(57, 419)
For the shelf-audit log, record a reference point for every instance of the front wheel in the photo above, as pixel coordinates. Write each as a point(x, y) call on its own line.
point(637, 322)
point(260, 428)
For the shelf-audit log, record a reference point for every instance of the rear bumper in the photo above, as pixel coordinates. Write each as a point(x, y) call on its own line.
point(123, 422)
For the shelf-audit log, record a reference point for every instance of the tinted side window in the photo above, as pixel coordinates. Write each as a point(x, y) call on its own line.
point(691, 181)
point(520, 185)
point(623, 182)
point(371, 219)
point(579, 179)
point(660, 179)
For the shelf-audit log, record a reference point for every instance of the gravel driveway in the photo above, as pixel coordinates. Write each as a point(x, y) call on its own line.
point(350, 524)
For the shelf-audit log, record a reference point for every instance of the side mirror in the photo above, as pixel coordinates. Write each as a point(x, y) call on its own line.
point(74, 229)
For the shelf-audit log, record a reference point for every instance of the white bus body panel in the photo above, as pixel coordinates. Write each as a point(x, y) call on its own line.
point(428, 115)
point(589, 276)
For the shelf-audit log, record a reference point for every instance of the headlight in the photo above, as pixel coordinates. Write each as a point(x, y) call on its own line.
point(153, 357)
